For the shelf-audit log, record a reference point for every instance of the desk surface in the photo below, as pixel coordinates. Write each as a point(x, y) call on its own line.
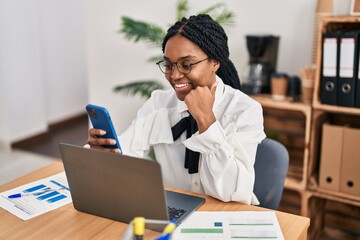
point(67, 223)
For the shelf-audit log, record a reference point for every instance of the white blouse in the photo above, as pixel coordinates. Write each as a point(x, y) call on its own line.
point(227, 148)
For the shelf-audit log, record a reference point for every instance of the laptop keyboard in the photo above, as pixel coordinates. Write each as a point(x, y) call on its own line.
point(175, 213)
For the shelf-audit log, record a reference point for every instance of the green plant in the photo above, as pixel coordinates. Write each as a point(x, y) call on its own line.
point(153, 35)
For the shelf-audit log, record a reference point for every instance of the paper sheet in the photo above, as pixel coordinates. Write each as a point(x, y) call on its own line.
point(229, 225)
point(32, 205)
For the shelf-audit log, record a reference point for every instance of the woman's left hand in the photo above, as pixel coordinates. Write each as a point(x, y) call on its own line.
point(200, 102)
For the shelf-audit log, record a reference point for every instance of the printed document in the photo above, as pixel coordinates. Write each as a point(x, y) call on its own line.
point(230, 225)
point(37, 197)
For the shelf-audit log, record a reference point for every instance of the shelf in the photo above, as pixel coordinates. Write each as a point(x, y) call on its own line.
point(291, 128)
point(336, 109)
point(266, 101)
point(332, 217)
point(317, 199)
point(340, 19)
point(336, 196)
point(294, 184)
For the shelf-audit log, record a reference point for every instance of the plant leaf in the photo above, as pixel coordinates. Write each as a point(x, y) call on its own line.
point(155, 59)
point(220, 14)
point(225, 18)
point(142, 87)
point(182, 9)
point(138, 30)
point(212, 9)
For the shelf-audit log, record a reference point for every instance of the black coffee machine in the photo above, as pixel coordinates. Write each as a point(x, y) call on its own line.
point(263, 50)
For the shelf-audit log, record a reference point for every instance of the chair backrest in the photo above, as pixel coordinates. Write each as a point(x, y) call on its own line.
point(271, 166)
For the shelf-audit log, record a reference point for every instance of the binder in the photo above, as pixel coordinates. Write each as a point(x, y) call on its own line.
point(347, 69)
point(329, 69)
point(357, 90)
point(331, 155)
point(350, 166)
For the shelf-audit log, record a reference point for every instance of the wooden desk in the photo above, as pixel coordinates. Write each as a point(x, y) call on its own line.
point(67, 223)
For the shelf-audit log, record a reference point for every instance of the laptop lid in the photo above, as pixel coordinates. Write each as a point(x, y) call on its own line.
point(120, 187)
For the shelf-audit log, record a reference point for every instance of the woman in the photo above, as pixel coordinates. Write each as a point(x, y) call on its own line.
point(223, 125)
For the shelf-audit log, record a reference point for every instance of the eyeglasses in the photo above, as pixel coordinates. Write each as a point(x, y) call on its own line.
point(183, 65)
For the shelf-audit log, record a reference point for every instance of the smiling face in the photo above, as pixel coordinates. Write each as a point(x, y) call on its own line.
point(202, 74)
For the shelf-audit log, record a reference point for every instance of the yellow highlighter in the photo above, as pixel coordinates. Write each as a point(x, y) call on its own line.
point(139, 228)
point(169, 228)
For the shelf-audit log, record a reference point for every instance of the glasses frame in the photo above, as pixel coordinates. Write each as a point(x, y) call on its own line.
point(176, 64)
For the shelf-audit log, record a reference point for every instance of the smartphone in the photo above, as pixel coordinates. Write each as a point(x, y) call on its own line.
point(100, 118)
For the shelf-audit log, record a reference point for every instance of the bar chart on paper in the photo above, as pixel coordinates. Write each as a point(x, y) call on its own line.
point(229, 225)
point(38, 197)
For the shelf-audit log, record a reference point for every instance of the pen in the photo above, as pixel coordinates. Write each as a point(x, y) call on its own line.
point(19, 195)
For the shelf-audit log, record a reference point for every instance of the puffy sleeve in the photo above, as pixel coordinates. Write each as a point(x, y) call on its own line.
point(228, 150)
point(151, 126)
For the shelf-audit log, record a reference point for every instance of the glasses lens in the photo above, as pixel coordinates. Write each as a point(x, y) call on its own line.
point(184, 66)
point(165, 66)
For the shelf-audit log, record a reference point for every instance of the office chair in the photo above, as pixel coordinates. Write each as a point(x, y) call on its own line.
point(271, 166)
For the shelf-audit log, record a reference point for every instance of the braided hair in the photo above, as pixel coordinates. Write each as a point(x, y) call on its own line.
point(212, 39)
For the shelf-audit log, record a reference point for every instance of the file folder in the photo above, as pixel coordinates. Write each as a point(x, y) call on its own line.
point(331, 155)
point(350, 166)
point(347, 69)
point(329, 69)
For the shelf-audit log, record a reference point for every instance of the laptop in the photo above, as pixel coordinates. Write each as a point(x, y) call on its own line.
point(121, 187)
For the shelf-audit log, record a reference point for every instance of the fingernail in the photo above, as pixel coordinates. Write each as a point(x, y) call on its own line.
point(102, 132)
point(112, 142)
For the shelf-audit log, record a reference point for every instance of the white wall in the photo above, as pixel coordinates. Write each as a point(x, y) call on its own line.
point(114, 60)
point(42, 65)
point(64, 58)
point(21, 70)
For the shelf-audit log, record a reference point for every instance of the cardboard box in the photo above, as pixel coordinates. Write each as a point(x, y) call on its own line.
point(331, 154)
point(350, 166)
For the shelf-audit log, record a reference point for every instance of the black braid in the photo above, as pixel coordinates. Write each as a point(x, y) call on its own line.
point(212, 39)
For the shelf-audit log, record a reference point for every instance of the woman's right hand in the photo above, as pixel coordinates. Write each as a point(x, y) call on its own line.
point(97, 143)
